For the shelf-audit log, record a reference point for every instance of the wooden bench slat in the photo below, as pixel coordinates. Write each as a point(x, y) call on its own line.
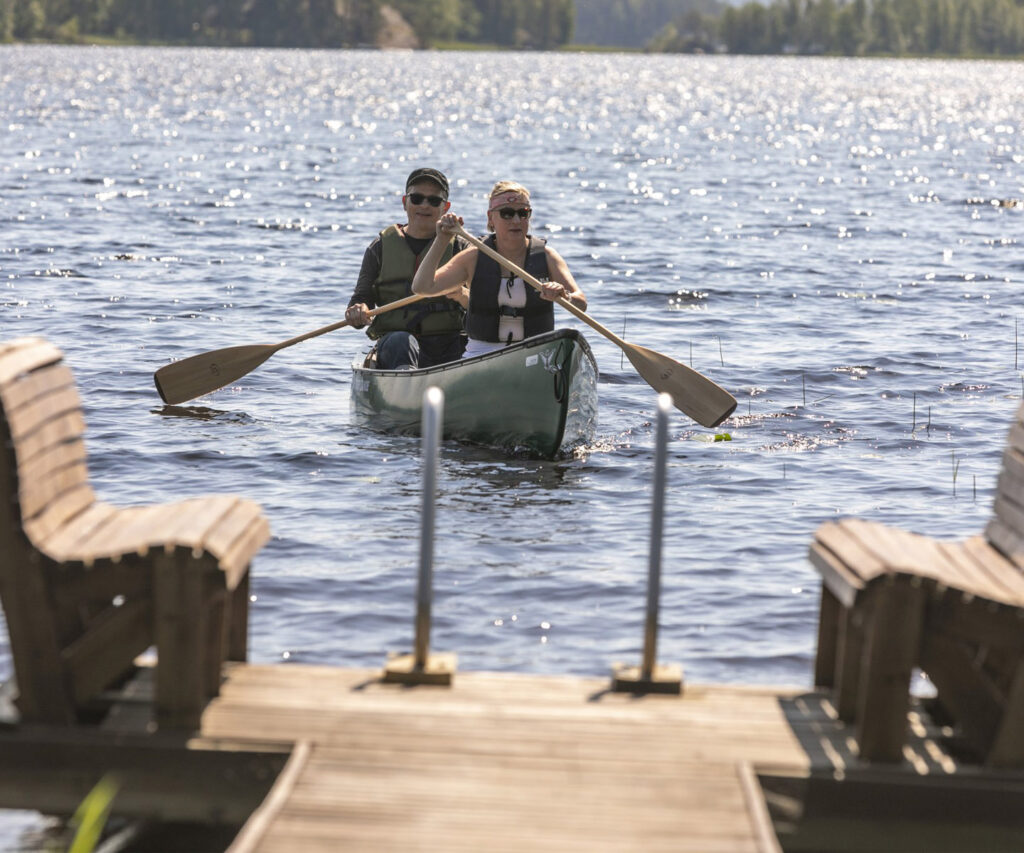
point(837, 578)
point(849, 549)
point(1010, 483)
point(1007, 540)
point(220, 537)
point(38, 412)
point(194, 520)
point(902, 552)
point(1013, 461)
point(1016, 437)
point(64, 543)
point(1000, 574)
point(237, 558)
point(66, 427)
point(25, 355)
point(58, 512)
point(130, 536)
point(1010, 513)
point(58, 455)
point(35, 495)
point(42, 381)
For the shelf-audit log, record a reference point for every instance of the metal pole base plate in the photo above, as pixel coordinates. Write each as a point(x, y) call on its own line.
point(439, 669)
point(664, 678)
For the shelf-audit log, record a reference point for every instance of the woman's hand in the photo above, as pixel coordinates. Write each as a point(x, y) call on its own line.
point(553, 291)
point(448, 225)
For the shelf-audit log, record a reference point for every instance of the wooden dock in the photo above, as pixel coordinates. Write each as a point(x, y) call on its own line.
point(324, 759)
point(300, 758)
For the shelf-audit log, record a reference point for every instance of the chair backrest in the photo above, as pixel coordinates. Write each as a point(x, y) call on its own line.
point(1005, 530)
point(44, 477)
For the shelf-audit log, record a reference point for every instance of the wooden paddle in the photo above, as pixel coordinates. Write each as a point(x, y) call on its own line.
point(692, 393)
point(200, 374)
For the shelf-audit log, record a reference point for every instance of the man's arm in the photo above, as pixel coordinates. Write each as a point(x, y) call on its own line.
point(362, 297)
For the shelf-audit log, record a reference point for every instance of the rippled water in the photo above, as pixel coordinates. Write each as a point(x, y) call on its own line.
point(835, 241)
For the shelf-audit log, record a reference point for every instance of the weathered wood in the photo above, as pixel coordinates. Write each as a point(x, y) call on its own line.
point(965, 690)
point(57, 456)
point(36, 416)
point(43, 380)
point(827, 646)
point(66, 427)
point(181, 635)
point(86, 586)
point(892, 648)
point(36, 494)
point(849, 660)
point(237, 619)
point(503, 762)
point(844, 584)
point(211, 782)
point(58, 512)
point(25, 355)
point(955, 608)
point(94, 659)
point(262, 818)
point(1008, 744)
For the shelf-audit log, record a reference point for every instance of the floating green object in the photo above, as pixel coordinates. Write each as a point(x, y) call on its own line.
point(709, 439)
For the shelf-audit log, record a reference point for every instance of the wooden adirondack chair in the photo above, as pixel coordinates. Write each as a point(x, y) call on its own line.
point(893, 600)
point(85, 586)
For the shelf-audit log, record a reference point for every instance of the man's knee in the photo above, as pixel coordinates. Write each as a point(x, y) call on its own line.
point(397, 350)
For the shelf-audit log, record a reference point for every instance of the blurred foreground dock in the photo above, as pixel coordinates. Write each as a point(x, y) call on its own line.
point(419, 757)
point(295, 757)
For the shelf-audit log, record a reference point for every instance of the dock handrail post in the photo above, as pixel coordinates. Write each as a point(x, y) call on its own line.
point(422, 667)
point(433, 407)
point(657, 530)
point(650, 676)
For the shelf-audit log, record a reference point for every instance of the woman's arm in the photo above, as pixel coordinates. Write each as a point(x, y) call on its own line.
point(455, 274)
point(562, 283)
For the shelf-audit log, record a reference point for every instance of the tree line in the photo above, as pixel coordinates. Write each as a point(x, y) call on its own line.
point(854, 28)
point(544, 24)
point(838, 27)
point(633, 23)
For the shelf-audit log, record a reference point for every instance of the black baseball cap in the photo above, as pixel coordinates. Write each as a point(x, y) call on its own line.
point(417, 175)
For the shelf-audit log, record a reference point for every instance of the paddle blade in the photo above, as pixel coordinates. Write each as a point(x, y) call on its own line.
point(692, 393)
point(200, 374)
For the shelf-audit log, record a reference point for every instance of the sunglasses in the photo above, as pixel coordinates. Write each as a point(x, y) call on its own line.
point(509, 212)
point(419, 198)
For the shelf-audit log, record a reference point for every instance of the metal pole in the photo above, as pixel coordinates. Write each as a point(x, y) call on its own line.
point(657, 527)
point(433, 409)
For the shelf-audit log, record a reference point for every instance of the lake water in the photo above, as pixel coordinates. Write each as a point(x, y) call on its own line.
point(835, 241)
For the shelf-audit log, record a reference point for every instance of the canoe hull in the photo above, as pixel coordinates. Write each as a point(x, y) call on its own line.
point(537, 397)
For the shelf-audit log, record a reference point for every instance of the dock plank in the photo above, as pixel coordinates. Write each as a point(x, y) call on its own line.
point(503, 762)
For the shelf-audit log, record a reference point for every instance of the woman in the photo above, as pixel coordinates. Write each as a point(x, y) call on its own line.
point(502, 308)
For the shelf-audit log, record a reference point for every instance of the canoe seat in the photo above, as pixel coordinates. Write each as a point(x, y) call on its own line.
point(86, 587)
point(893, 600)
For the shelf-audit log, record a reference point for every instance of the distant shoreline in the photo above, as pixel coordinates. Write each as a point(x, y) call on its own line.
point(469, 47)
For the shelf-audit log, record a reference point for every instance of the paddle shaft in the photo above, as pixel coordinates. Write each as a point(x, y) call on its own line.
point(534, 283)
point(341, 324)
point(200, 374)
point(692, 393)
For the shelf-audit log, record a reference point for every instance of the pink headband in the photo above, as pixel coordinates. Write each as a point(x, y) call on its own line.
point(510, 197)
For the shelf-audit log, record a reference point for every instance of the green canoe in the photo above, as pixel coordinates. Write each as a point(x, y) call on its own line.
point(537, 396)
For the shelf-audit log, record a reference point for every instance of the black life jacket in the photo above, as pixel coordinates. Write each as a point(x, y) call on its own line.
point(437, 316)
point(484, 312)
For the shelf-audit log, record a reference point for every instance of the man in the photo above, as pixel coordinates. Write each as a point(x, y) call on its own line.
point(427, 332)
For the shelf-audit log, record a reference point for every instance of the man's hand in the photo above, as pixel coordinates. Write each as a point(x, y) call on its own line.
point(358, 315)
